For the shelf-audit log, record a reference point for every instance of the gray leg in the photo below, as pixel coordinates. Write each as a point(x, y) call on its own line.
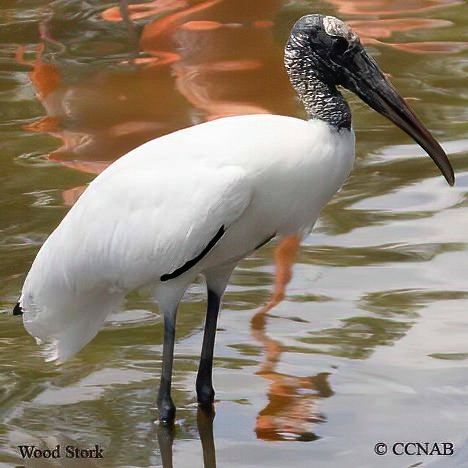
point(205, 391)
point(165, 404)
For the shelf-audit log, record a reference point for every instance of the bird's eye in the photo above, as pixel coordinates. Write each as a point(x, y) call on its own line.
point(340, 45)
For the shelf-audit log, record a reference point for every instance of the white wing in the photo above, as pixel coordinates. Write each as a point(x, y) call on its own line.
point(128, 230)
point(150, 224)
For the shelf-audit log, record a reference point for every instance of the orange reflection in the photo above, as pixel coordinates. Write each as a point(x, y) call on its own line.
point(292, 409)
point(386, 7)
point(144, 10)
point(104, 115)
point(432, 47)
point(223, 54)
point(369, 30)
point(373, 30)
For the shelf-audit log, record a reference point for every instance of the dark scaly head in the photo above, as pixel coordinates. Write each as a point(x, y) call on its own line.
point(323, 53)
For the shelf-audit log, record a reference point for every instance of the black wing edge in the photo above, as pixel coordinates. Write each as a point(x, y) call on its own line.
point(268, 239)
point(186, 266)
point(17, 310)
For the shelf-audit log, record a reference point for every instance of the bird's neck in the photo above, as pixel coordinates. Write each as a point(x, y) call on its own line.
point(321, 100)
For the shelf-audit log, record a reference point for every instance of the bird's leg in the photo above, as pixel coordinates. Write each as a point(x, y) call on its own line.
point(216, 280)
point(165, 404)
point(285, 255)
point(205, 391)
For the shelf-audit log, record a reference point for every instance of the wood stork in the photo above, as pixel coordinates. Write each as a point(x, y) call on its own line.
point(200, 199)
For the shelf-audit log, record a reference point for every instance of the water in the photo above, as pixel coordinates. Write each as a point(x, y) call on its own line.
point(369, 345)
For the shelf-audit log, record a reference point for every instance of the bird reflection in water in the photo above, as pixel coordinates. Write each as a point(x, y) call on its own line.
point(166, 435)
point(292, 409)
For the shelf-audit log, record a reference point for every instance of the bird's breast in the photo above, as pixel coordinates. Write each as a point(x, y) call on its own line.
point(291, 189)
point(293, 193)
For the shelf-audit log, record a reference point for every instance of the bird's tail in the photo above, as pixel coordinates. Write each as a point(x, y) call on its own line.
point(17, 310)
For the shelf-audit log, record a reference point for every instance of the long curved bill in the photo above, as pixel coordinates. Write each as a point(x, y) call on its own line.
point(365, 78)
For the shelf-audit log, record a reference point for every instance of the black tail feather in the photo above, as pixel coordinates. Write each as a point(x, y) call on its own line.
point(17, 310)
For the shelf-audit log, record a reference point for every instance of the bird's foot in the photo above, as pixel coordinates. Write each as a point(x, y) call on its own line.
point(167, 411)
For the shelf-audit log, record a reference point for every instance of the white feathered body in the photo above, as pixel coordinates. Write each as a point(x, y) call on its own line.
point(159, 206)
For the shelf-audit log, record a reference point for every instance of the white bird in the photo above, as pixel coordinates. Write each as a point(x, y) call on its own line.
point(200, 199)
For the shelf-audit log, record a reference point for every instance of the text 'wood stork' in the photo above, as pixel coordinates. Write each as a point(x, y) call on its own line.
point(200, 199)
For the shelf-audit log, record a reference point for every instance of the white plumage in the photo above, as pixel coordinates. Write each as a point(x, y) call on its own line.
point(159, 206)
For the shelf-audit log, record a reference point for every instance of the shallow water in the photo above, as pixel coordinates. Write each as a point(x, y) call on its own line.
point(370, 344)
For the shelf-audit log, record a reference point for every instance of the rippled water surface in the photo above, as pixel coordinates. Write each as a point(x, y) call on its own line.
point(370, 344)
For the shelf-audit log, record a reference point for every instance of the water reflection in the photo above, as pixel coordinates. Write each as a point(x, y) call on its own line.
point(104, 115)
point(373, 30)
point(292, 410)
point(224, 56)
point(205, 429)
point(166, 436)
point(379, 7)
point(166, 440)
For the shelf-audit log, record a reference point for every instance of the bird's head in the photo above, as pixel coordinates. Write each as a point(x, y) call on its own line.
point(328, 48)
